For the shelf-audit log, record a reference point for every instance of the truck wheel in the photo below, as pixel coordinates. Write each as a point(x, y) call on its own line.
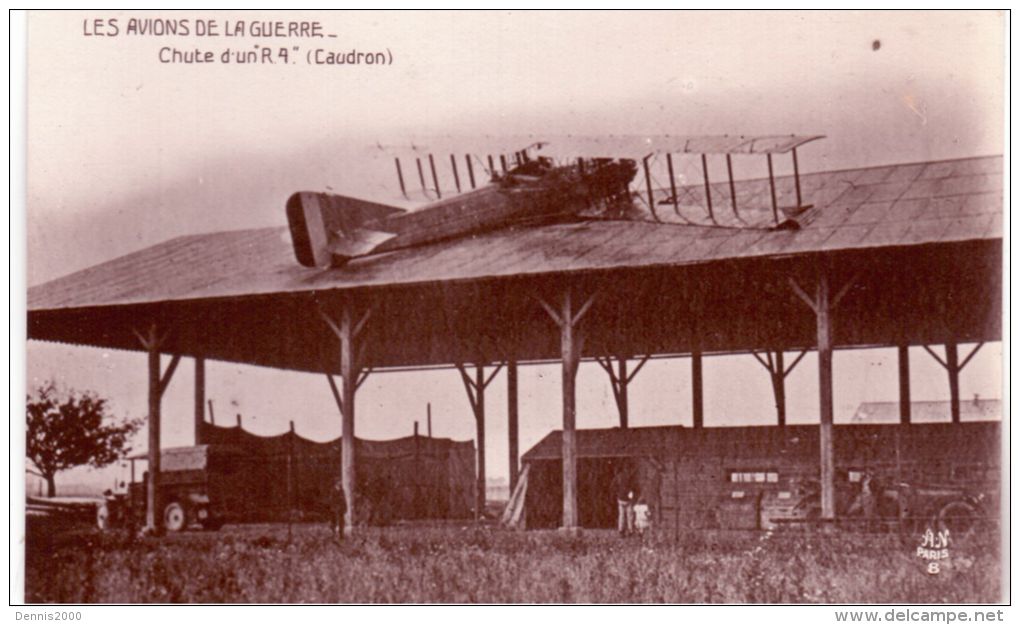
point(959, 517)
point(103, 516)
point(174, 518)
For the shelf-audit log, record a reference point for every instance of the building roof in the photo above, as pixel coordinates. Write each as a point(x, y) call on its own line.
point(744, 441)
point(928, 411)
point(890, 206)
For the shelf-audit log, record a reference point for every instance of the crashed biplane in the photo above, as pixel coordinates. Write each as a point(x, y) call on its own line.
point(558, 179)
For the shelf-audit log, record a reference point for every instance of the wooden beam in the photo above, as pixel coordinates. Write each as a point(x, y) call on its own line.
point(795, 362)
point(825, 395)
point(469, 385)
point(623, 380)
point(168, 375)
point(953, 369)
point(512, 422)
point(480, 441)
point(199, 398)
point(970, 355)
point(153, 519)
point(697, 390)
point(362, 376)
point(937, 358)
point(802, 294)
point(777, 375)
point(336, 392)
point(349, 375)
point(903, 357)
point(779, 388)
point(640, 364)
point(570, 357)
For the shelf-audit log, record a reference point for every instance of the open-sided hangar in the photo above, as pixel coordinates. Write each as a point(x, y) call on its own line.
point(895, 256)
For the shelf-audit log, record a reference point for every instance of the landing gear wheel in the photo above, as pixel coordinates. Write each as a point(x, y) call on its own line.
point(174, 518)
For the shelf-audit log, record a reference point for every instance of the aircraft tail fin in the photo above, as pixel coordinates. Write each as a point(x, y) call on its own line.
point(324, 225)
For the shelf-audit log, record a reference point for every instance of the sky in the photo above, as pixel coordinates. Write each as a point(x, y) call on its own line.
point(125, 152)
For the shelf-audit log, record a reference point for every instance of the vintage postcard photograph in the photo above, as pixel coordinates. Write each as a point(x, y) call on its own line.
point(514, 307)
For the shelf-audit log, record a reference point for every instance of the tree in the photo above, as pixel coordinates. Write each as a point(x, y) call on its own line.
point(67, 429)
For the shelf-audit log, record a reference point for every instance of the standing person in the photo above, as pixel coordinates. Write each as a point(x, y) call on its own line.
point(337, 509)
point(626, 494)
point(865, 503)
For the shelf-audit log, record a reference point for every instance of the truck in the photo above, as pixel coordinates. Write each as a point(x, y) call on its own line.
point(238, 477)
point(198, 486)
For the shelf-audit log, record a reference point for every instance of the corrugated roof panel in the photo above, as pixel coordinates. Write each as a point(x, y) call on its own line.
point(967, 227)
point(982, 204)
point(848, 237)
point(911, 208)
point(890, 233)
point(872, 212)
point(977, 166)
point(736, 244)
point(888, 192)
point(995, 227)
point(876, 175)
point(945, 207)
point(905, 173)
point(937, 170)
point(926, 230)
point(923, 188)
point(811, 239)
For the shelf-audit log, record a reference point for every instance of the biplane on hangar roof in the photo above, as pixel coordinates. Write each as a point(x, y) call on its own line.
point(668, 224)
point(697, 259)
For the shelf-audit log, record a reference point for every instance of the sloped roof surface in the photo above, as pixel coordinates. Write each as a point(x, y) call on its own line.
point(745, 440)
point(896, 205)
point(928, 411)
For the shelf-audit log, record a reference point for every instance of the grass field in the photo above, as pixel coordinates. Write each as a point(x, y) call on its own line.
point(484, 564)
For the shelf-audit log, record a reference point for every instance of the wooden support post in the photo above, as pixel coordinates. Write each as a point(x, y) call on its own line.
point(512, 422)
point(570, 353)
point(153, 520)
point(157, 386)
point(619, 380)
point(953, 369)
point(953, 366)
point(697, 390)
point(476, 397)
point(779, 388)
point(348, 373)
point(571, 360)
point(199, 398)
point(823, 304)
point(903, 353)
point(352, 376)
point(480, 441)
point(621, 400)
point(824, 328)
point(777, 374)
